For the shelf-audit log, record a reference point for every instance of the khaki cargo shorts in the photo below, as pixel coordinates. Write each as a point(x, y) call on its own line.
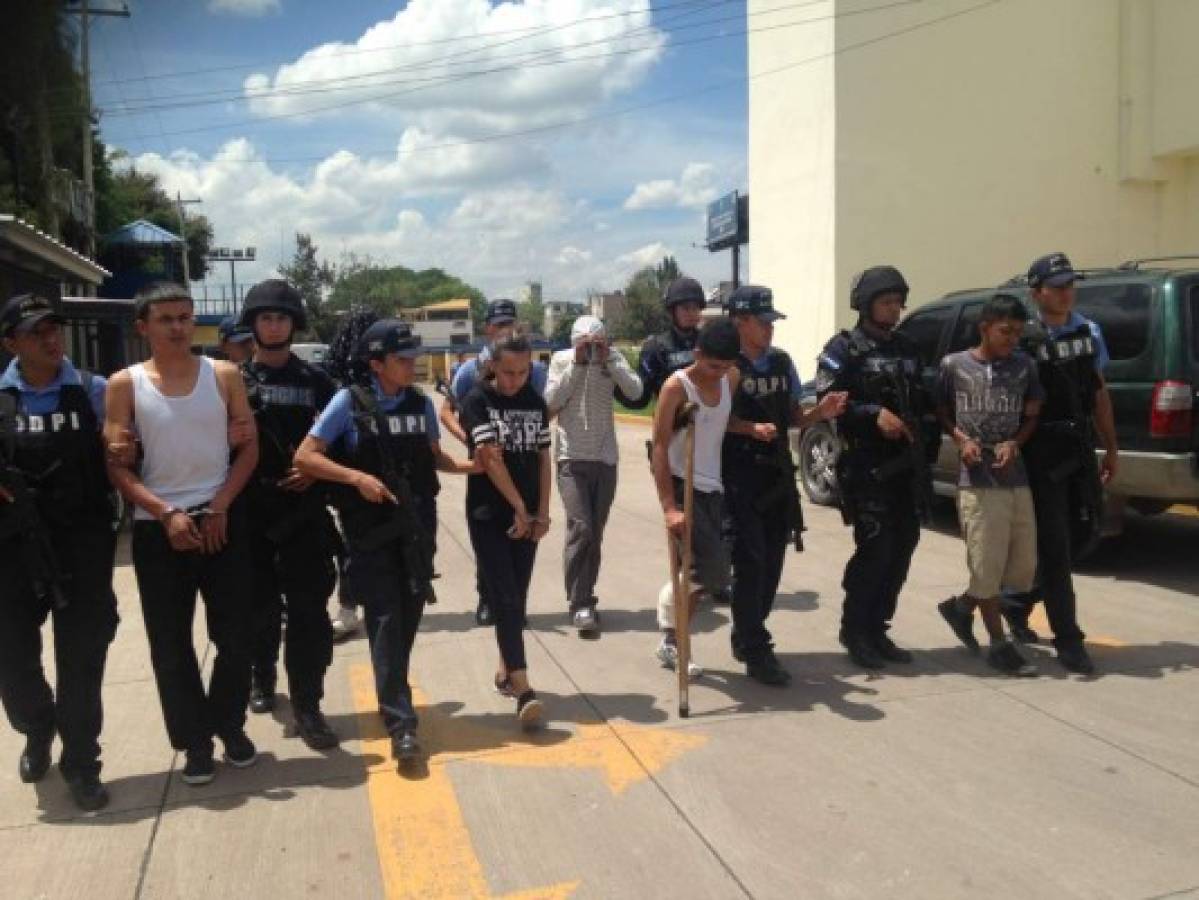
point(1000, 529)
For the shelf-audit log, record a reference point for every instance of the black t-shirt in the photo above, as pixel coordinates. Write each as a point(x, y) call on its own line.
point(519, 425)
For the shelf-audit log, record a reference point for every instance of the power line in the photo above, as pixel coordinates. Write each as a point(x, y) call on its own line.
point(430, 43)
point(520, 59)
point(475, 74)
point(661, 101)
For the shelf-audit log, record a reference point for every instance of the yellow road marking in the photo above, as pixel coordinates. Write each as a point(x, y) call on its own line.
point(1040, 623)
point(631, 419)
point(1180, 509)
point(425, 847)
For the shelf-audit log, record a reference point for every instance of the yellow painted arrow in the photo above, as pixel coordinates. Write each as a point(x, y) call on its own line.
point(425, 847)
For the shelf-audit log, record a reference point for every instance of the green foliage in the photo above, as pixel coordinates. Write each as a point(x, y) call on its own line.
point(643, 313)
point(311, 278)
point(667, 271)
point(562, 329)
point(531, 315)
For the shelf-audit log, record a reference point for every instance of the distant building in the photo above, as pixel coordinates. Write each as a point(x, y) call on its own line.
point(445, 324)
point(608, 308)
point(556, 311)
point(530, 292)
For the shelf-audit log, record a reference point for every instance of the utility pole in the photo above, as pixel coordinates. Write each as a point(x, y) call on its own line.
point(89, 187)
point(179, 201)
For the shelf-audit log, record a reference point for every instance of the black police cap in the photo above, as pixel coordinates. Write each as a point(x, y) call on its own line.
point(755, 300)
point(683, 290)
point(388, 336)
point(500, 312)
point(874, 282)
point(231, 330)
point(1053, 269)
point(24, 311)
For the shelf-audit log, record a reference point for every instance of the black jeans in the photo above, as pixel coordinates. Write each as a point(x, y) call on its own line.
point(300, 574)
point(82, 633)
point(167, 580)
point(506, 568)
point(759, 551)
point(379, 581)
point(886, 530)
point(1051, 499)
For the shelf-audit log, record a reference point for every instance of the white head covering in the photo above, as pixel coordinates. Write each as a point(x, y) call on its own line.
point(586, 328)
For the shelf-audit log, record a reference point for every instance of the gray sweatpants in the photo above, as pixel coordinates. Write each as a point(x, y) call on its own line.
point(587, 489)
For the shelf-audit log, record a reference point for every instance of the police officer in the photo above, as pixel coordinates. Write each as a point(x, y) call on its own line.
point(50, 420)
point(1060, 456)
point(664, 354)
point(881, 478)
point(381, 429)
point(236, 341)
point(291, 531)
point(759, 477)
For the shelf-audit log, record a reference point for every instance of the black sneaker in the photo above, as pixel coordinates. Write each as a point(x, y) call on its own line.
point(862, 651)
point(314, 730)
point(87, 791)
point(240, 751)
point(35, 759)
point(198, 767)
point(529, 709)
point(484, 616)
point(1016, 617)
point(889, 651)
point(768, 670)
point(960, 621)
point(1074, 657)
point(1007, 659)
point(262, 694)
point(404, 747)
point(723, 597)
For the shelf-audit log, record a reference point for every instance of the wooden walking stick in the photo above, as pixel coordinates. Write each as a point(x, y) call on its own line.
point(681, 568)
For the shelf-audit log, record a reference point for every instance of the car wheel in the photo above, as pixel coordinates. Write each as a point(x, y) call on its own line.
point(818, 452)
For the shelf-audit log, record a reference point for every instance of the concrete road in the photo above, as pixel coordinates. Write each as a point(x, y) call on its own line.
point(930, 780)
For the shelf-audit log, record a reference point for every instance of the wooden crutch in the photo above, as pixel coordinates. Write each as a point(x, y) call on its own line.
point(680, 569)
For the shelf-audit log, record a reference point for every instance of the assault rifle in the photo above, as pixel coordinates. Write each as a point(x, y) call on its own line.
point(897, 396)
point(404, 526)
point(22, 519)
point(783, 489)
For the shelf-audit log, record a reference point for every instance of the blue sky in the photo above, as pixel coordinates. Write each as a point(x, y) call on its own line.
point(427, 133)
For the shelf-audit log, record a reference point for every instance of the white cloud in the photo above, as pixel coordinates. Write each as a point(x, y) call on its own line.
point(649, 255)
point(417, 64)
point(573, 256)
point(694, 189)
point(244, 7)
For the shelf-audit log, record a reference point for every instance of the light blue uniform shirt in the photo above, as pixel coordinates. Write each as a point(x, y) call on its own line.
point(337, 419)
point(44, 400)
point(1102, 357)
point(761, 364)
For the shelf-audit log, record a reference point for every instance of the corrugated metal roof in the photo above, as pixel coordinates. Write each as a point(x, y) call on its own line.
point(34, 239)
point(448, 304)
point(142, 232)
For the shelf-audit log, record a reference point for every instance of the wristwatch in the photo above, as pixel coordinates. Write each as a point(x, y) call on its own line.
point(166, 515)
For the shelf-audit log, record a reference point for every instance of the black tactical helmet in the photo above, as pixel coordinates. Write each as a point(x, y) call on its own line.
point(683, 290)
point(273, 294)
point(874, 282)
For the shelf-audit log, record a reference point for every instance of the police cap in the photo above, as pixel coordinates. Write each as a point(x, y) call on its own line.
point(24, 312)
point(754, 300)
point(388, 336)
point(500, 312)
point(1053, 269)
point(230, 330)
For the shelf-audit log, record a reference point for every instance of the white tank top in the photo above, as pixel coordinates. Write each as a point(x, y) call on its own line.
point(185, 439)
point(710, 424)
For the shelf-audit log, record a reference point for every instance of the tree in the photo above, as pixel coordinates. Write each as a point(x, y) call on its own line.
point(362, 281)
point(311, 278)
point(561, 333)
point(531, 314)
point(667, 271)
point(643, 314)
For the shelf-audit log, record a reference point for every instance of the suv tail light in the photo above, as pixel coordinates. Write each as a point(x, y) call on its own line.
point(1170, 413)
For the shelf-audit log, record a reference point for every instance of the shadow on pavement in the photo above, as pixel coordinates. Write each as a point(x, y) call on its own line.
point(1156, 550)
point(614, 621)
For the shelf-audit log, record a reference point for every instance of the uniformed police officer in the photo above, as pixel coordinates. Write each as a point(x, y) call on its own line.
point(882, 473)
point(372, 434)
point(759, 477)
point(291, 532)
point(664, 354)
point(1063, 474)
point(50, 420)
point(236, 341)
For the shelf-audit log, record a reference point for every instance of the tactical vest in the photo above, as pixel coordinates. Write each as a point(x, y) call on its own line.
point(285, 402)
point(1065, 364)
point(62, 456)
point(675, 350)
point(886, 374)
point(761, 397)
point(406, 442)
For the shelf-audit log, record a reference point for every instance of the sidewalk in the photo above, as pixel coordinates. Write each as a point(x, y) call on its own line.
point(930, 780)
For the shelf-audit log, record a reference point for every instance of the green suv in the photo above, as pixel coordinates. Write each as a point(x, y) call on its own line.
point(1149, 313)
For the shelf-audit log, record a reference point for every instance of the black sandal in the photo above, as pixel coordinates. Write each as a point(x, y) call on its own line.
point(503, 686)
point(529, 709)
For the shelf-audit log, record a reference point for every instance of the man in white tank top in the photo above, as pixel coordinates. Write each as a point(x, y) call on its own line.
point(187, 532)
point(709, 382)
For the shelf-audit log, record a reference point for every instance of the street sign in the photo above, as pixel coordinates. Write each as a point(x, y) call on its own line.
point(722, 222)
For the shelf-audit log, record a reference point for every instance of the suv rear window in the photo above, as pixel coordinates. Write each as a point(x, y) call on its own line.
point(965, 332)
point(1195, 323)
point(924, 327)
point(1122, 311)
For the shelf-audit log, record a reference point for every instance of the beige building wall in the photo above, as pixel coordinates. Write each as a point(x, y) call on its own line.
point(960, 149)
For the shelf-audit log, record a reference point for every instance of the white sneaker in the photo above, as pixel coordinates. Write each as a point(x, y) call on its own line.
point(345, 623)
point(668, 655)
